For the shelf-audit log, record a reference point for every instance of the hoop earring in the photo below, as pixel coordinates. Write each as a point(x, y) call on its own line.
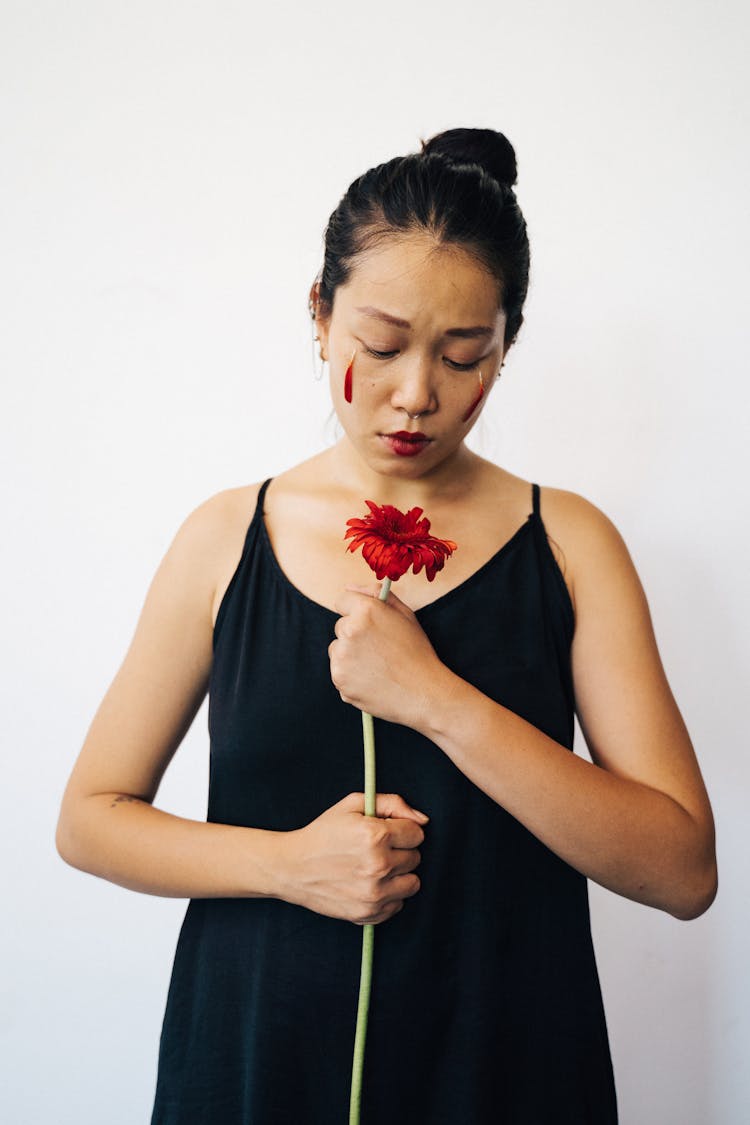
point(318, 367)
point(348, 378)
point(476, 401)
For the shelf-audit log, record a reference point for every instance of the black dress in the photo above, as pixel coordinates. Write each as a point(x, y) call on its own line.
point(485, 1005)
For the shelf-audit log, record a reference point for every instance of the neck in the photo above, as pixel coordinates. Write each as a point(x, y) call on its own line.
point(448, 481)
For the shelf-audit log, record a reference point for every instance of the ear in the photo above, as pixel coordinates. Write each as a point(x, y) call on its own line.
point(496, 375)
point(321, 322)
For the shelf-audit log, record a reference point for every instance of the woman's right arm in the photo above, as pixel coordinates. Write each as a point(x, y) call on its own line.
point(343, 863)
point(108, 825)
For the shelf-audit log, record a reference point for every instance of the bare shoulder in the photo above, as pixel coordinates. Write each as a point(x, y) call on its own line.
point(576, 512)
point(583, 539)
point(219, 519)
point(214, 533)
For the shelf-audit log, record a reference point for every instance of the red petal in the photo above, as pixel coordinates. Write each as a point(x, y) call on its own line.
point(393, 541)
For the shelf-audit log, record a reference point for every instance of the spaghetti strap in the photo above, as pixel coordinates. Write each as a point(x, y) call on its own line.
point(262, 495)
point(251, 535)
point(257, 517)
point(535, 499)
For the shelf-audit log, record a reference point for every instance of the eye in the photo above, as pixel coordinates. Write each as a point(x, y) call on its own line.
point(378, 355)
point(455, 366)
point(462, 366)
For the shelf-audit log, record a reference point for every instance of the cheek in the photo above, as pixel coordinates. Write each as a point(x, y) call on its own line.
point(475, 401)
point(355, 385)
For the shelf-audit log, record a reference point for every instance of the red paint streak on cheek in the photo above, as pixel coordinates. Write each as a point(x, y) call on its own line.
point(474, 404)
point(348, 381)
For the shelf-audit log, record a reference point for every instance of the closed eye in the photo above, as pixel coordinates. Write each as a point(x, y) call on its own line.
point(455, 366)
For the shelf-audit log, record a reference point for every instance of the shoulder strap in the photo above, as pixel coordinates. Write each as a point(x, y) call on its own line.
point(257, 517)
point(535, 499)
point(262, 495)
point(255, 525)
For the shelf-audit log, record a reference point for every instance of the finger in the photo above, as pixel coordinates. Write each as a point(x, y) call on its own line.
point(372, 590)
point(406, 860)
point(332, 658)
point(340, 628)
point(392, 805)
point(350, 598)
point(395, 601)
point(387, 806)
point(405, 835)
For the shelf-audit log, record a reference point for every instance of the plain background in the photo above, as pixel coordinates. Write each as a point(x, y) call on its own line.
point(168, 170)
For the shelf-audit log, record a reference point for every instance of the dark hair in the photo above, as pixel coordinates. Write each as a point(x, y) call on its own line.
point(458, 188)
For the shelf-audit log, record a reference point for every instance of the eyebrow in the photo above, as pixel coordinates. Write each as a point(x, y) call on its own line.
point(464, 333)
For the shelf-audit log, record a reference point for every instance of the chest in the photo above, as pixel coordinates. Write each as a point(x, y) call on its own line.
point(315, 558)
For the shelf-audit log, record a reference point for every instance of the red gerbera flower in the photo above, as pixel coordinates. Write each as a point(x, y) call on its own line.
point(393, 541)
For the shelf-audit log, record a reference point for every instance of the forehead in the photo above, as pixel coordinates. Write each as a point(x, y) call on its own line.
point(413, 275)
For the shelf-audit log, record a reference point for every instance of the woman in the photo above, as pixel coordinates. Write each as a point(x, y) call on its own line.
point(486, 1005)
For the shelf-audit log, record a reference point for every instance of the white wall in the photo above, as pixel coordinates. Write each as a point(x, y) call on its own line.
point(167, 173)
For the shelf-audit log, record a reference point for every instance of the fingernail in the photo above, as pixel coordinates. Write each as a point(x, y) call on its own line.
point(422, 814)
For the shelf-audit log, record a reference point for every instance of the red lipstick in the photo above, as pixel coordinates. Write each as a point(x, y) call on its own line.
point(406, 444)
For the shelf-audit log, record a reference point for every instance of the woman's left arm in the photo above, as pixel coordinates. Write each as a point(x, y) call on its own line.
point(637, 818)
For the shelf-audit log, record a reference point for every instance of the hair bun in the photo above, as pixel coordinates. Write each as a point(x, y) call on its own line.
point(492, 151)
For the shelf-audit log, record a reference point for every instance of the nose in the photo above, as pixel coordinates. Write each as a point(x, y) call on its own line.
point(415, 391)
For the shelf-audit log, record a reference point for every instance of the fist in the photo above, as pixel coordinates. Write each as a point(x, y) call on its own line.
point(349, 865)
point(382, 660)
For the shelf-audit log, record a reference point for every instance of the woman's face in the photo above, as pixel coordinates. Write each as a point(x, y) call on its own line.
point(449, 331)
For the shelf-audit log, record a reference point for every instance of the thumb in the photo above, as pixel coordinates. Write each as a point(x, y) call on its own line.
point(386, 804)
point(390, 804)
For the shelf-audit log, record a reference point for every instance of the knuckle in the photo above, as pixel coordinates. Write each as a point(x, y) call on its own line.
point(378, 833)
point(374, 873)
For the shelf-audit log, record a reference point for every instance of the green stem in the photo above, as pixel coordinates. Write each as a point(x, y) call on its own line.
point(368, 930)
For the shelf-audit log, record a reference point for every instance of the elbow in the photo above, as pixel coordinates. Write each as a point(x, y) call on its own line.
point(697, 898)
point(69, 840)
point(699, 883)
point(64, 840)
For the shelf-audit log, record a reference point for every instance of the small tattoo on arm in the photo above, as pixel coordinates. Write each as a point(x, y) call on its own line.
point(123, 799)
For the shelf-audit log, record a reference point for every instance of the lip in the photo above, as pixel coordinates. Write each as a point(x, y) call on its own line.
point(406, 444)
